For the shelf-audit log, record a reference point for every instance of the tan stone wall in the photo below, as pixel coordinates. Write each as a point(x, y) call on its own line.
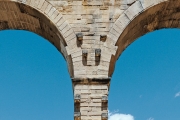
point(92, 18)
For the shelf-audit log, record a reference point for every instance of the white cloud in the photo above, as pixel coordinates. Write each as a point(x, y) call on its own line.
point(119, 116)
point(150, 118)
point(177, 94)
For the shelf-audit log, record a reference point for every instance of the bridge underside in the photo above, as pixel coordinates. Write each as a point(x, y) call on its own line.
point(21, 17)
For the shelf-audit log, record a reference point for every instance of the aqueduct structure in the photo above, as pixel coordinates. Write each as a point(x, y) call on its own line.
point(91, 35)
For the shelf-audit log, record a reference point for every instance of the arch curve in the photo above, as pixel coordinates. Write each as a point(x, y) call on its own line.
point(136, 22)
point(42, 18)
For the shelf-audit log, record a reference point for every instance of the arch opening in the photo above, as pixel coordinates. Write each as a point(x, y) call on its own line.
point(163, 15)
point(19, 16)
point(32, 79)
point(147, 79)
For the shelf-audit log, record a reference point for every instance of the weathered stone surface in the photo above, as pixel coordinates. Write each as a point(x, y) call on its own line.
point(119, 21)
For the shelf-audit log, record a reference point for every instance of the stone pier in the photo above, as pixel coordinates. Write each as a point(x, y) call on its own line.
point(91, 99)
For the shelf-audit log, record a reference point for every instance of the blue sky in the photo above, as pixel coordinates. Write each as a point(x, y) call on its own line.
point(35, 84)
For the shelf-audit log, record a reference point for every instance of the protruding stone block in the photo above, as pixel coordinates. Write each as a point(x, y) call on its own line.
point(104, 116)
point(79, 36)
point(97, 52)
point(77, 98)
point(85, 53)
point(104, 98)
point(103, 38)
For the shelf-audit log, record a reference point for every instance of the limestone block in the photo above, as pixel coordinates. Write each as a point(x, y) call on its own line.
point(57, 18)
point(28, 2)
point(113, 38)
point(65, 29)
point(79, 58)
point(40, 4)
point(94, 91)
point(78, 68)
point(48, 8)
point(117, 27)
point(96, 108)
point(130, 1)
point(95, 113)
point(60, 22)
point(96, 117)
point(85, 91)
point(91, 37)
point(85, 109)
point(108, 51)
point(78, 64)
point(147, 3)
point(97, 87)
point(104, 63)
point(114, 32)
point(102, 72)
point(67, 33)
point(101, 67)
point(93, 2)
point(105, 92)
point(74, 17)
point(77, 54)
point(91, 62)
point(44, 6)
point(134, 10)
point(84, 104)
point(123, 21)
point(59, 3)
point(104, 87)
point(79, 72)
point(94, 104)
point(86, 46)
point(77, 91)
point(54, 15)
point(81, 87)
point(76, 29)
point(51, 11)
point(96, 100)
point(123, 2)
point(90, 72)
point(36, 2)
point(71, 36)
point(63, 25)
point(89, 42)
point(84, 113)
point(85, 117)
point(32, 3)
point(70, 50)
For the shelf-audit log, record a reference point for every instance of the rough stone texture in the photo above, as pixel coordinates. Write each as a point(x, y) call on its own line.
point(91, 35)
point(91, 101)
point(60, 20)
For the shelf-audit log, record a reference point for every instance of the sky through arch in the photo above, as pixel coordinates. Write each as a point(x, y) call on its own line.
point(146, 81)
point(34, 80)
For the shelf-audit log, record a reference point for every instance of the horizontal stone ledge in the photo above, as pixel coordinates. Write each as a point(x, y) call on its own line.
point(91, 80)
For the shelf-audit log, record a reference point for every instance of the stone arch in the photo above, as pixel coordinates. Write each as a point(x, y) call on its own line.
point(140, 18)
point(42, 18)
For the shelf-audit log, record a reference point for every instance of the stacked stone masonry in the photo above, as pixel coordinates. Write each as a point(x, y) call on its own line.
point(90, 101)
point(91, 35)
point(60, 20)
